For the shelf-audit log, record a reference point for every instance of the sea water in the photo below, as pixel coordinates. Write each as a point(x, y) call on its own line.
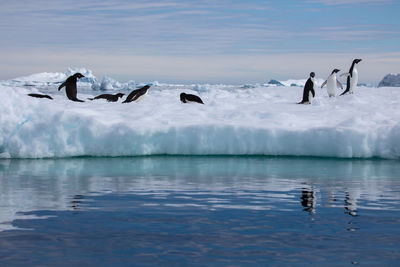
point(199, 211)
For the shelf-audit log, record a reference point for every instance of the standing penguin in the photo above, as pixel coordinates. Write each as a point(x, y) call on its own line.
point(70, 87)
point(332, 83)
point(352, 77)
point(308, 91)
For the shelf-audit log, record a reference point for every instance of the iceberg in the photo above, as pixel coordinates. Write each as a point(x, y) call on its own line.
point(235, 120)
point(392, 80)
point(275, 82)
point(46, 80)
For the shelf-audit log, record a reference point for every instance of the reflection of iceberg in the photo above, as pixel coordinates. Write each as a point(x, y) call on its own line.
point(27, 185)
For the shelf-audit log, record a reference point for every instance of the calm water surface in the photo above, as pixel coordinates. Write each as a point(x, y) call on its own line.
point(199, 211)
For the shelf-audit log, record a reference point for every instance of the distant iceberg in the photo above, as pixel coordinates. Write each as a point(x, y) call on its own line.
point(293, 82)
point(391, 80)
point(275, 82)
point(91, 82)
point(53, 79)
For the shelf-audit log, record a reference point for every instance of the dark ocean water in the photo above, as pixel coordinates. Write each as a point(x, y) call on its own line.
point(199, 211)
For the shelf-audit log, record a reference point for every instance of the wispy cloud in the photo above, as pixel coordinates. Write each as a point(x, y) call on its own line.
point(354, 33)
point(239, 69)
point(349, 2)
point(193, 29)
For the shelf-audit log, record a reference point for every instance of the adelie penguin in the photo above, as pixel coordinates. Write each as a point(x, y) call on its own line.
point(40, 96)
point(332, 83)
point(70, 87)
point(308, 91)
point(108, 97)
point(187, 98)
point(352, 77)
point(137, 94)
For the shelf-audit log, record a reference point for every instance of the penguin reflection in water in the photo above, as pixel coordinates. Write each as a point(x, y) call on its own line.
point(70, 87)
point(308, 92)
point(308, 200)
point(332, 83)
point(188, 98)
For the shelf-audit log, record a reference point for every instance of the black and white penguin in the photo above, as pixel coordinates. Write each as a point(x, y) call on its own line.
point(40, 96)
point(332, 83)
point(70, 87)
point(352, 77)
point(108, 97)
point(187, 98)
point(137, 94)
point(308, 91)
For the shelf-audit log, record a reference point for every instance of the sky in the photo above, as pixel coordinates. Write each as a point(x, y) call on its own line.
point(194, 41)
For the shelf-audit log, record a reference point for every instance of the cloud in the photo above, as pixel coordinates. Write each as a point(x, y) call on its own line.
point(171, 27)
point(193, 36)
point(354, 33)
point(349, 2)
point(238, 69)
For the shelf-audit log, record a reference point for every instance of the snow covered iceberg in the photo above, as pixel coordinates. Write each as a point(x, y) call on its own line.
point(239, 121)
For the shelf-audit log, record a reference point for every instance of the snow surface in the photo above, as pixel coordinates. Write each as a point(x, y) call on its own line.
point(235, 120)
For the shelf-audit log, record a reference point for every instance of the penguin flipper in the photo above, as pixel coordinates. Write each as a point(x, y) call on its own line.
point(323, 84)
point(62, 85)
point(198, 100)
point(40, 96)
point(339, 83)
point(347, 86)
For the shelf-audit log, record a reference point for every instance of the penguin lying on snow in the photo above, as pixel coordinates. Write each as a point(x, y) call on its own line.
point(308, 92)
point(352, 77)
point(137, 94)
point(70, 87)
point(40, 96)
point(332, 83)
point(108, 97)
point(187, 98)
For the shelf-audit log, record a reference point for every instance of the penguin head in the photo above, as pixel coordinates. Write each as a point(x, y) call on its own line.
point(120, 95)
point(78, 75)
point(357, 60)
point(335, 71)
point(312, 74)
point(183, 96)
